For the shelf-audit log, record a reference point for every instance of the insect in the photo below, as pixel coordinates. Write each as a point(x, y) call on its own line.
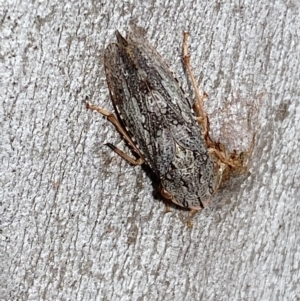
point(161, 125)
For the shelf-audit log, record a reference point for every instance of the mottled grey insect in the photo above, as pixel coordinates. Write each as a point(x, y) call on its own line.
point(159, 123)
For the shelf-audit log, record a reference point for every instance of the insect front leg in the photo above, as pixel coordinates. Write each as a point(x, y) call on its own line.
point(114, 120)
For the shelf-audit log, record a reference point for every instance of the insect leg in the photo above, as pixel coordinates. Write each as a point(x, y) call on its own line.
point(114, 120)
point(198, 105)
point(227, 163)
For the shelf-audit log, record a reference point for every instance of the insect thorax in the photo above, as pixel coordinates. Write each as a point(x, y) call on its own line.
point(190, 179)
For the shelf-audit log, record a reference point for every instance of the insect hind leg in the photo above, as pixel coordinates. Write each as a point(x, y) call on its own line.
point(227, 163)
point(199, 97)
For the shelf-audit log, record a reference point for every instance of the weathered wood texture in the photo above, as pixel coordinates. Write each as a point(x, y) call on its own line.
point(78, 223)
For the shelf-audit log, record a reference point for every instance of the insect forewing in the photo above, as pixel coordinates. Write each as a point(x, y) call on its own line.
point(158, 116)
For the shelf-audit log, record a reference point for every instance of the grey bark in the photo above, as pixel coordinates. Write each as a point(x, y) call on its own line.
point(79, 223)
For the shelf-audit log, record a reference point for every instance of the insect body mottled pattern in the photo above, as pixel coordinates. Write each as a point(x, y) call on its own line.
point(159, 119)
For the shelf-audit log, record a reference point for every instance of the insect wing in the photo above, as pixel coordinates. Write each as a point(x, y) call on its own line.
point(177, 112)
point(150, 102)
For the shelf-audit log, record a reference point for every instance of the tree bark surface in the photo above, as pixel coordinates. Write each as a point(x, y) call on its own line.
point(79, 223)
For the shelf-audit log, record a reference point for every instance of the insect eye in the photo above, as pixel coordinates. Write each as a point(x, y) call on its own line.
point(167, 195)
